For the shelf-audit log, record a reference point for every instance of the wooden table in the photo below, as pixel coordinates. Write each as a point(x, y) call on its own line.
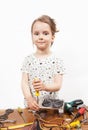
point(29, 117)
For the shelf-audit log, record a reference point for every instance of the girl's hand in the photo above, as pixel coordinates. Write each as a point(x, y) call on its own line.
point(32, 104)
point(38, 85)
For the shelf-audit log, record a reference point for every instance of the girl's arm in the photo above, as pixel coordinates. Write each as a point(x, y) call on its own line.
point(31, 102)
point(25, 87)
point(55, 86)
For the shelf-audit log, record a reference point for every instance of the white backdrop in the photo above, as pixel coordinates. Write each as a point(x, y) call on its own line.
point(16, 17)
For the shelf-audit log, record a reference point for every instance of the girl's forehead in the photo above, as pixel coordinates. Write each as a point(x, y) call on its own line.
point(41, 25)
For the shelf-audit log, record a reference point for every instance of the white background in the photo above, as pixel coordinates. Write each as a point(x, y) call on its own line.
point(16, 17)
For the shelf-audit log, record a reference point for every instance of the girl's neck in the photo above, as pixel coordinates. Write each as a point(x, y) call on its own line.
point(42, 53)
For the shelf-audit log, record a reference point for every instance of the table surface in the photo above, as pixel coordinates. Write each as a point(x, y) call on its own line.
point(29, 117)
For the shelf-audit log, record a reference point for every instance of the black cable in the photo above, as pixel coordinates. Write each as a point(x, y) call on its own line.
point(38, 126)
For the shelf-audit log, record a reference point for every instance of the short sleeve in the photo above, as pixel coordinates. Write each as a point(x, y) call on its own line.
point(25, 65)
point(59, 67)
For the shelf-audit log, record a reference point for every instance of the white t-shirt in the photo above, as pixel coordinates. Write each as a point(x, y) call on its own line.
point(43, 68)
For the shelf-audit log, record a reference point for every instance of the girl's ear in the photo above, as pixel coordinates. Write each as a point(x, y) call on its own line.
point(53, 38)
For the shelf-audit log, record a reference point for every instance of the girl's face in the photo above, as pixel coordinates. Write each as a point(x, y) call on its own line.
point(42, 36)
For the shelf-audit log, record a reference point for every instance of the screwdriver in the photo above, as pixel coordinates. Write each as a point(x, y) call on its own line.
point(37, 92)
point(20, 113)
point(80, 112)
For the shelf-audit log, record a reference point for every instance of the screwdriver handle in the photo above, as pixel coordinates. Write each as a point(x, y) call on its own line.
point(82, 110)
point(37, 92)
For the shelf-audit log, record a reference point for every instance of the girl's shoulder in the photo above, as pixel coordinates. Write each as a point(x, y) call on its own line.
point(29, 57)
point(56, 57)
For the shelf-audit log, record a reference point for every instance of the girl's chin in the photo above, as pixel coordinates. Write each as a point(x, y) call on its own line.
point(41, 48)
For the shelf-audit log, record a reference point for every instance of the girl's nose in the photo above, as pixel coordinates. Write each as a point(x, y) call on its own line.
point(40, 36)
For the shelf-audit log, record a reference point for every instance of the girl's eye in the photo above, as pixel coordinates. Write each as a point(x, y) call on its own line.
point(36, 33)
point(46, 33)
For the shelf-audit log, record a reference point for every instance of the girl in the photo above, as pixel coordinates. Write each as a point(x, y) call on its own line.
point(42, 65)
